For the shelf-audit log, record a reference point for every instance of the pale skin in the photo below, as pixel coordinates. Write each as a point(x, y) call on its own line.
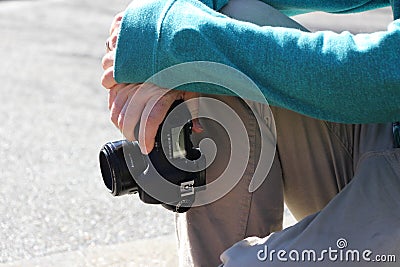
point(146, 104)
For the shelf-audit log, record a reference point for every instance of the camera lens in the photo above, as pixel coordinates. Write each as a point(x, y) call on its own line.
point(118, 162)
point(106, 171)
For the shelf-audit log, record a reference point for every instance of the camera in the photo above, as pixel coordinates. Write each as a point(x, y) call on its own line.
point(169, 175)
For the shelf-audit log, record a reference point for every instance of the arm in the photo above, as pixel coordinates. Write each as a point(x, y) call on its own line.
point(338, 77)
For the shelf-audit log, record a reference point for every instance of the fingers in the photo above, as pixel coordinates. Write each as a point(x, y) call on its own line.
point(108, 60)
point(152, 116)
point(142, 100)
point(197, 127)
point(149, 104)
point(145, 103)
point(112, 93)
point(116, 22)
point(131, 114)
point(111, 97)
point(192, 103)
point(111, 43)
point(118, 104)
point(107, 79)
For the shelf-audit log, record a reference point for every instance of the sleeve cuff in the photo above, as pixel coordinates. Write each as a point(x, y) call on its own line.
point(138, 39)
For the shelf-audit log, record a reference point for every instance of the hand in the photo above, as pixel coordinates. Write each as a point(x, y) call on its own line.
point(111, 42)
point(144, 103)
point(147, 104)
point(115, 25)
point(108, 80)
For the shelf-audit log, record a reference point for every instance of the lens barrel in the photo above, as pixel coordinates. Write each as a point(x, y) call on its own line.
point(117, 172)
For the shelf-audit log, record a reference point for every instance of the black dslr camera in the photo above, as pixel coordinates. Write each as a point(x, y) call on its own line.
point(170, 175)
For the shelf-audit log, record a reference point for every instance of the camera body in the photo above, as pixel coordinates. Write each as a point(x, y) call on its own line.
point(170, 175)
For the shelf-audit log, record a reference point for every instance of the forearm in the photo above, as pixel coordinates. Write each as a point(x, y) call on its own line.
point(339, 77)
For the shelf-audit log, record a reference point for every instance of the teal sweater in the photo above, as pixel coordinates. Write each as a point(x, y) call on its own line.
point(337, 77)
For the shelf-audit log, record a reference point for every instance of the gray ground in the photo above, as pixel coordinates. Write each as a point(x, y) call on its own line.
point(54, 120)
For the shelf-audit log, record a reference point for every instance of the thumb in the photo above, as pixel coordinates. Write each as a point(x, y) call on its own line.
point(192, 103)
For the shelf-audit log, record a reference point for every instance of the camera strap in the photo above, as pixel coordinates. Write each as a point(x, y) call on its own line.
point(396, 134)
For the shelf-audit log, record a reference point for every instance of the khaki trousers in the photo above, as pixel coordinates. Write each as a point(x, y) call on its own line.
point(341, 181)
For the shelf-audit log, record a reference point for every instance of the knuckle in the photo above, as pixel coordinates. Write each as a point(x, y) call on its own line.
point(114, 41)
point(108, 79)
point(107, 60)
point(104, 62)
point(119, 15)
point(103, 81)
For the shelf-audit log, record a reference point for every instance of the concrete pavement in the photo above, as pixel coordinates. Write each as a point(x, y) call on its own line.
point(54, 120)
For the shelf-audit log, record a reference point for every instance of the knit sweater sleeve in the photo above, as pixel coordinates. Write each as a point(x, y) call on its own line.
point(338, 77)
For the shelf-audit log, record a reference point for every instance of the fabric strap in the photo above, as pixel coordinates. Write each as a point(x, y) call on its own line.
point(396, 134)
